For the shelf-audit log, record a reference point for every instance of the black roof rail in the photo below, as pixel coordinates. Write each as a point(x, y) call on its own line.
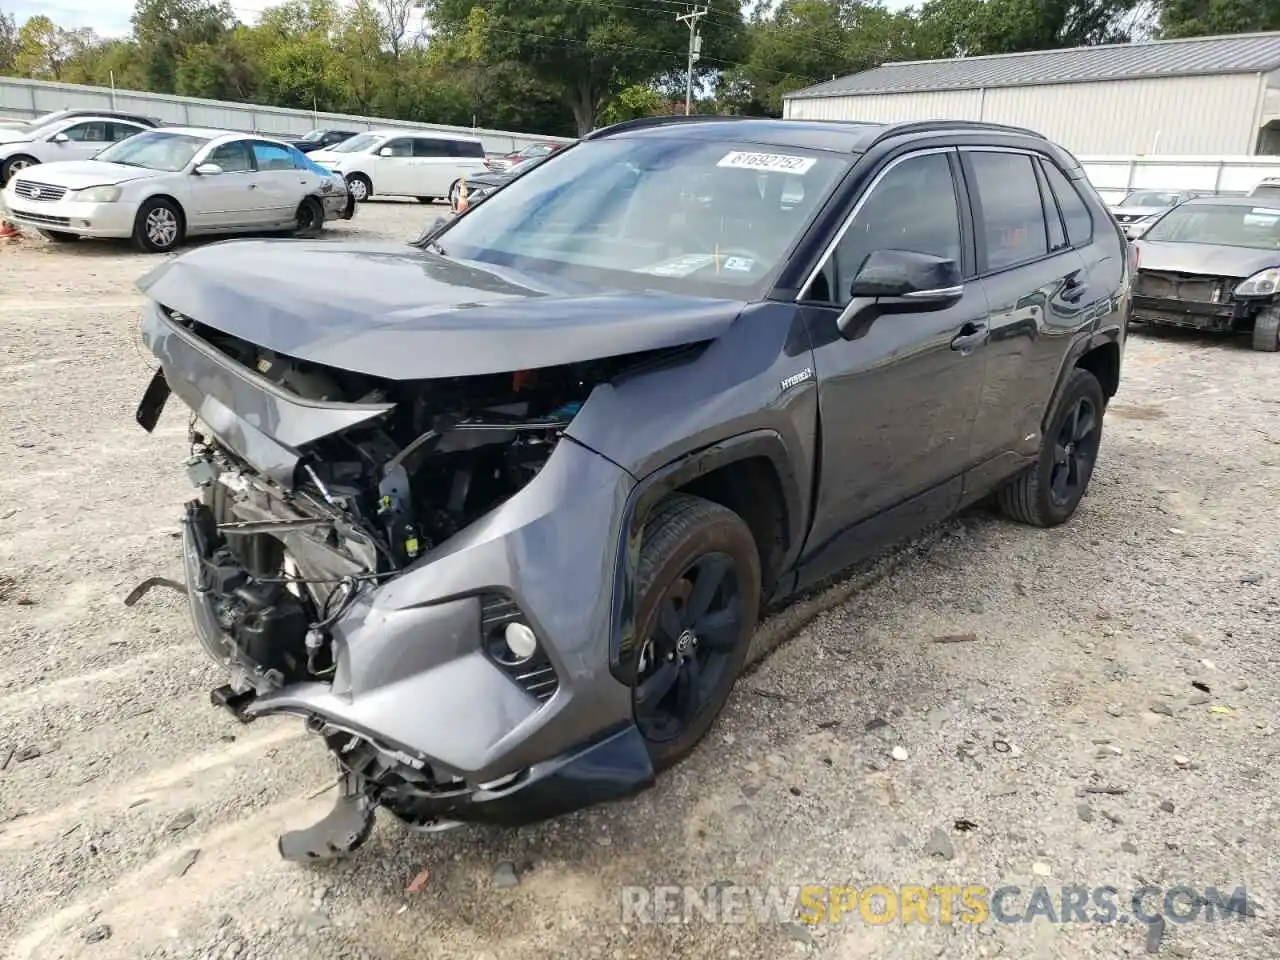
point(930, 126)
point(644, 122)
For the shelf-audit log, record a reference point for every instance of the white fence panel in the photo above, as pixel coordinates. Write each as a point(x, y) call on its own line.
point(28, 98)
point(1113, 177)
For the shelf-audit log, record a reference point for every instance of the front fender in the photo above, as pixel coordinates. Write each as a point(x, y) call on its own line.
point(656, 485)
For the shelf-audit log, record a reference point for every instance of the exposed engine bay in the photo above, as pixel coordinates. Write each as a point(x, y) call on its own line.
point(284, 564)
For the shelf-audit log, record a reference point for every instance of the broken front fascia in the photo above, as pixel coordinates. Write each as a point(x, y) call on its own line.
point(411, 671)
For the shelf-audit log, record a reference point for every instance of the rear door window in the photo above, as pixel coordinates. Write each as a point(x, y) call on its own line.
point(431, 147)
point(120, 130)
point(1074, 212)
point(1011, 220)
point(271, 157)
point(1052, 215)
point(468, 148)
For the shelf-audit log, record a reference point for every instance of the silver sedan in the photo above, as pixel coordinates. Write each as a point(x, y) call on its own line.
point(167, 184)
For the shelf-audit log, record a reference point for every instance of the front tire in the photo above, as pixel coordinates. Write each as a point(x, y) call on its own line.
point(425, 199)
point(360, 187)
point(698, 599)
point(1266, 330)
point(310, 218)
point(159, 226)
point(1048, 492)
point(59, 236)
point(15, 165)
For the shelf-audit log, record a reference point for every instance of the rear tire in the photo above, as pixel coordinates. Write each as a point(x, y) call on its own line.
point(310, 218)
point(159, 226)
point(425, 199)
point(58, 236)
point(1048, 492)
point(698, 596)
point(1266, 330)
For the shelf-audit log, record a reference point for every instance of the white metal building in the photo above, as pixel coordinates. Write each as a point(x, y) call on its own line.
point(1208, 95)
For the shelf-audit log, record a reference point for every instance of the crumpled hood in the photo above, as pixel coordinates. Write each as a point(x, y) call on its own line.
point(1206, 258)
point(78, 174)
point(401, 313)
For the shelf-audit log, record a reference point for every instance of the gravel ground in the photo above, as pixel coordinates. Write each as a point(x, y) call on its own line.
point(1132, 650)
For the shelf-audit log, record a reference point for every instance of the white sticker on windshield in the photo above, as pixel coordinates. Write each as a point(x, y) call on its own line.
point(742, 160)
point(680, 266)
point(739, 264)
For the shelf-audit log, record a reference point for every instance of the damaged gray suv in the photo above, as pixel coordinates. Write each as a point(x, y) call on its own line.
point(496, 513)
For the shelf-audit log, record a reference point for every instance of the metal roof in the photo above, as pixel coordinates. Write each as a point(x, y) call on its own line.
point(1242, 53)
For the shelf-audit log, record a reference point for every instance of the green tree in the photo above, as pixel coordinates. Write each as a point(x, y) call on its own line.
point(634, 102)
point(8, 42)
point(43, 49)
point(801, 42)
point(1198, 18)
point(106, 62)
point(590, 50)
point(166, 29)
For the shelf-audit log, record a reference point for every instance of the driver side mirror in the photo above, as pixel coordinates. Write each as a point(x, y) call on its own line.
point(900, 281)
point(384, 152)
point(60, 138)
point(207, 170)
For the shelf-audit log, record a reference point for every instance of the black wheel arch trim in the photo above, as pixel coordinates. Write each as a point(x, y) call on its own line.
point(662, 481)
point(1079, 349)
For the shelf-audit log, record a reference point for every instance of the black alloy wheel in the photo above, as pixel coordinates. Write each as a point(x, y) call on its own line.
point(1074, 452)
point(689, 648)
point(699, 595)
point(1048, 492)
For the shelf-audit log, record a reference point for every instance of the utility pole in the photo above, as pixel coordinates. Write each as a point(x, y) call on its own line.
point(695, 49)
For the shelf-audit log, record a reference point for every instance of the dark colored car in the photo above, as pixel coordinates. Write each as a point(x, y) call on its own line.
point(483, 184)
point(1213, 263)
point(322, 139)
point(533, 150)
point(497, 515)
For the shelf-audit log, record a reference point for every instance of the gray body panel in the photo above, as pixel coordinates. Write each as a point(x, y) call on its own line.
point(870, 438)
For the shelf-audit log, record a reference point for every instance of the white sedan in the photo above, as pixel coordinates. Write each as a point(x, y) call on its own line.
point(55, 138)
point(174, 182)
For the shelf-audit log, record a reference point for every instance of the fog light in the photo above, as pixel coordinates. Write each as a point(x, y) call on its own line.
point(521, 640)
